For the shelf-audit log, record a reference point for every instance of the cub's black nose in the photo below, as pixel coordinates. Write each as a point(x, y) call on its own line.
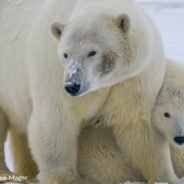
point(72, 88)
point(179, 140)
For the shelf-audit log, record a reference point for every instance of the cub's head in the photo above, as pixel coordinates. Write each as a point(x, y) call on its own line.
point(96, 51)
point(168, 114)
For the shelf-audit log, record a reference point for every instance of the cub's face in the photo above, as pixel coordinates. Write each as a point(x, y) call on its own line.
point(168, 115)
point(95, 52)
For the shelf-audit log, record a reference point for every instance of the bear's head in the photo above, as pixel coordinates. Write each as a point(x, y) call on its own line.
point(168, 114)
point(97, 51)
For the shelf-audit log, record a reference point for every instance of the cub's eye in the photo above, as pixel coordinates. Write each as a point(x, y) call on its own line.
point(167, 114)
point(65, 55)
point(92, 53)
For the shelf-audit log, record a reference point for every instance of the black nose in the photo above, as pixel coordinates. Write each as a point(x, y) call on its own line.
point(72, 88)
point(179, 140)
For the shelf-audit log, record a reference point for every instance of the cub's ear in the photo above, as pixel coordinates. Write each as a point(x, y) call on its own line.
point(123, 22)
point(56, 30)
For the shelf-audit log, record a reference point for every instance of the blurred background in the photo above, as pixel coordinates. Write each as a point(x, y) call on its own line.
point(169, 17)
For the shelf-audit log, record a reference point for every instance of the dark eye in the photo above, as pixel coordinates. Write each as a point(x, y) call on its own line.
point(65, 55)
point(167, 114)
point(92, 53)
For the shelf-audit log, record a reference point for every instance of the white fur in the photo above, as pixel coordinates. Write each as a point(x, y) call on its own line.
point(101, 160)
point(32, 83)
point(171, 100)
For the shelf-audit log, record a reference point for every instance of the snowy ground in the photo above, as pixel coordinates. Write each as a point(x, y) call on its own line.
point(169, 16)
point(181, 181)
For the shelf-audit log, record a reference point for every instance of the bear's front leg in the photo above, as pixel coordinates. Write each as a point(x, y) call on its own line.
point(147, 151)
point(53, 142)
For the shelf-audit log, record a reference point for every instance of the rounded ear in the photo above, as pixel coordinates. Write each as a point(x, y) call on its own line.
point(57, 29)
point(123, 21)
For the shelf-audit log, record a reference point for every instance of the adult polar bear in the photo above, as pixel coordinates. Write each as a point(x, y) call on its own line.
point(112, 53)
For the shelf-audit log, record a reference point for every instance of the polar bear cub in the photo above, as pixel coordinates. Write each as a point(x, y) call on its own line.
point(168, 113)
point(100, 158)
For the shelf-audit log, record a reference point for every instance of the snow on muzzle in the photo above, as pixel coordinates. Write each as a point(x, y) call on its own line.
point(75, 79)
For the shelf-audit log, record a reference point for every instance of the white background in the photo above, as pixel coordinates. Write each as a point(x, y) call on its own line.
point(169, 17)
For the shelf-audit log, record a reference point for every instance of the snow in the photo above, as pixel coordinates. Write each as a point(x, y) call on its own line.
point(181, 182)
point(169, 16)
point(134, 182)
point(73, 68)
point(8, 156)
point(170, 20)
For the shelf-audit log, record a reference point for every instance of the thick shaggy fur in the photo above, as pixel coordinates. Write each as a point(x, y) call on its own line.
point(32, 93)
point(101, 160)
point(171, 101)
